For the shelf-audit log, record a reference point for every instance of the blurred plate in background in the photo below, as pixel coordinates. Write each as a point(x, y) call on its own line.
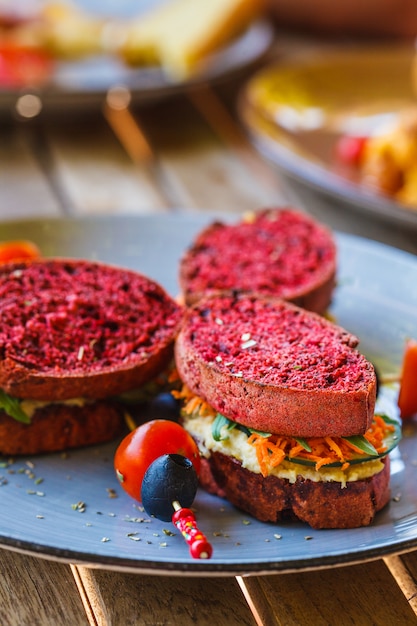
point(79, 76)
point(295, 113)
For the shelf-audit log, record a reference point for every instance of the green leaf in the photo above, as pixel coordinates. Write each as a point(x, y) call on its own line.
point(219, 423)
point(302, 442)
point(361, 442)
point(261, 433)
point(391, 440)
point(12, 407)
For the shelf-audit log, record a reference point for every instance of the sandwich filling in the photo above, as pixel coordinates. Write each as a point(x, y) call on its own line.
point(23, 410)
point(320, 459)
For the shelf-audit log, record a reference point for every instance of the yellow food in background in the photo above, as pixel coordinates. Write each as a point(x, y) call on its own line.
point(60, 29)
point(177, 35)
point(69, 32)
point(181, 33)
point(389, 161)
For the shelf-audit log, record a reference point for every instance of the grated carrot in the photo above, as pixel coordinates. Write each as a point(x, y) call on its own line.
point(173, 376)
point(193, 405)
point(295, 451)
point(333, 446)
point(272, 450)
point(322, 462)
point(324, 450)
point(268, 453)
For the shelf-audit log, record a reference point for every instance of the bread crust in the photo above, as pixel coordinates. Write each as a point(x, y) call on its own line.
point(280, 252)
point(271, 406)
point(74, 328)
point(22, 382)
point(58, 427)
point(319, 504)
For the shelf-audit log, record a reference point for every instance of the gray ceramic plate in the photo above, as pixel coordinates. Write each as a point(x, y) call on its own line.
point(295, 111)
point(376, 298)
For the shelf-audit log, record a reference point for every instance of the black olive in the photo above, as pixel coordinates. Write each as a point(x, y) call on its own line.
point(170, 478)
point(164, 406)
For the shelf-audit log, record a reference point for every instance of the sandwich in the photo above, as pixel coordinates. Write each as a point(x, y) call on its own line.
point(281, 404)
point(278, 252)
point(76, 338)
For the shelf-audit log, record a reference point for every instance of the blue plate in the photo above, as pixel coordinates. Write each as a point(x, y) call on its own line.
point(62, 506)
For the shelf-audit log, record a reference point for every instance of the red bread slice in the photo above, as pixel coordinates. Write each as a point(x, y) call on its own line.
point(273, 499)
point(278, 252)
point(56, 427)
point(275, 367)
point(74, 328)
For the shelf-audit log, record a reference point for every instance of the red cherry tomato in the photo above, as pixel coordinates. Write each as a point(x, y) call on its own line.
point(144, 445)
point(22, 66)
point(407, 399)
point(18, 250)
point(349, 149)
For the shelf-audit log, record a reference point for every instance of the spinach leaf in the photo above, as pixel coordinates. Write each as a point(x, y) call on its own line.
point(12, 407)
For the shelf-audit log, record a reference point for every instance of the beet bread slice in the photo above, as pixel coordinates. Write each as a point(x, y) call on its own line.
point(273, 499)
point(75, 328)
point(275, 367)
point(278, 252)
point(62, 426)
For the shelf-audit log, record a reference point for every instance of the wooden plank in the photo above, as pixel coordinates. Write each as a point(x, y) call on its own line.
point(404, 569)
point(96, 173)
point(208, 171)
point(24, 189)
point(358, 594)
point(37, 592)
point(133, 599)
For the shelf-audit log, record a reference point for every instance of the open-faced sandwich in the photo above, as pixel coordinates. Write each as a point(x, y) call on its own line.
point(278, 252)
point(282, 404)
point(75, 336)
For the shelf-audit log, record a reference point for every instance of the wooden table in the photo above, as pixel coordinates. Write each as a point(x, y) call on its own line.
point(189, 153)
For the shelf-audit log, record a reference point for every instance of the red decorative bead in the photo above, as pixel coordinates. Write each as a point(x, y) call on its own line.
point(184, 520)
point(201, 549)
point(182, 513)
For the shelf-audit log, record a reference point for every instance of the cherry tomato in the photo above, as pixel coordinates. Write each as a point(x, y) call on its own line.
point(144, 445)
point(18, 250)
point(22, 66)
point(407, 399)
point(349, 149)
